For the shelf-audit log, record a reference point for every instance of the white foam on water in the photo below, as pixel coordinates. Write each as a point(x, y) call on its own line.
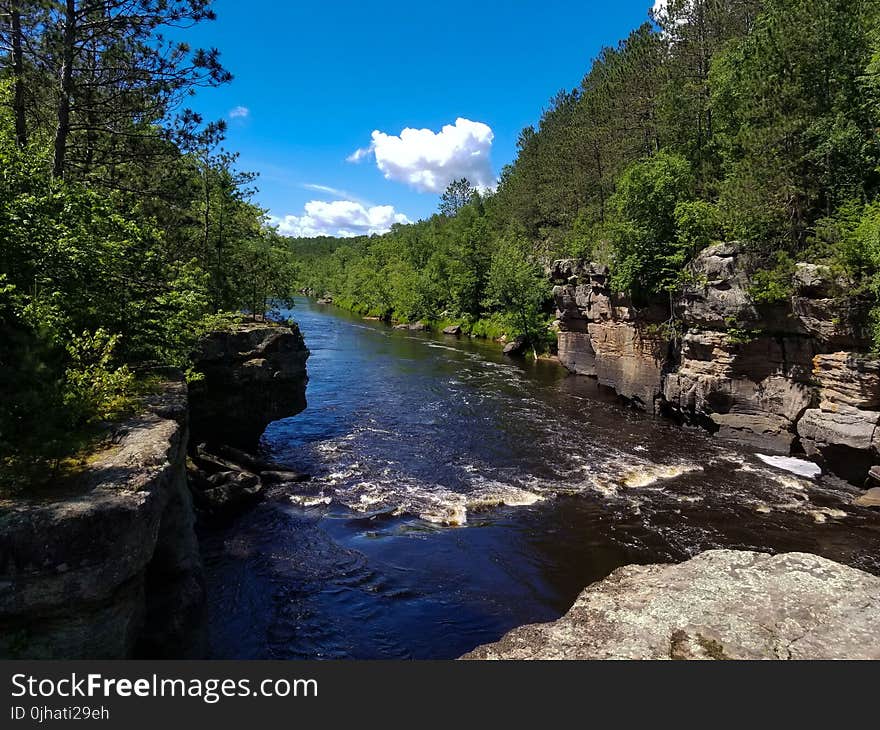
point(800, 467)
point(651, 474)
point(435, 346)
point(454, 515)
point(305, 500)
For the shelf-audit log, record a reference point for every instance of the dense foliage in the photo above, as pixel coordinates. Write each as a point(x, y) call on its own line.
point(749, 120)
point(125, 230)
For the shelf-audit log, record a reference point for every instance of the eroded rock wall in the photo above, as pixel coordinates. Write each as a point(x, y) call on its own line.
point(110, 566)
point(253, 376)
point(790, 377)
point(603, 335)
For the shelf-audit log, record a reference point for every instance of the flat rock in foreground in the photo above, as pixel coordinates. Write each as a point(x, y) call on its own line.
point(722, 604)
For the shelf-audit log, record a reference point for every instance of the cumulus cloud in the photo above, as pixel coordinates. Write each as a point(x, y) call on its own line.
point(342, 218)
point(429, 161)
point(240, 112)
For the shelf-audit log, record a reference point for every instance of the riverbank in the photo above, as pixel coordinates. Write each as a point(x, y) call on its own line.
point(109, 566)
point(794, 377)
point(721, 605)
point(458, 488)
point(492, 330)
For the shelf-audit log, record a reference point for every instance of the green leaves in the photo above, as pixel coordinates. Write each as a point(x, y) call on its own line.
point(650, 203)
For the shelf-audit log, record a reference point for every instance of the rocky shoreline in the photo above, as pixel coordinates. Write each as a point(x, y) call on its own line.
point(792, 378)
point(722, 604)
point(111, 569)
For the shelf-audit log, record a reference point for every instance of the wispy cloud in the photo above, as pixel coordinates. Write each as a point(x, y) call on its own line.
point(335, 192)
point(240, 112)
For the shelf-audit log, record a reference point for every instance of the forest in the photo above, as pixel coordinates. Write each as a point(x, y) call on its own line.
point(747, 120)
point(126, 228)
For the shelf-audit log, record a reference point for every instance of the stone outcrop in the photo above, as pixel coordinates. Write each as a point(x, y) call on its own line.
point(789, 377)
point(111, 567)
point(253, 375)
point(720, 605)
point(602, 335)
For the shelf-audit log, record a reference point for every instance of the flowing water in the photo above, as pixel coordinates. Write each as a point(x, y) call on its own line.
point(458, 494)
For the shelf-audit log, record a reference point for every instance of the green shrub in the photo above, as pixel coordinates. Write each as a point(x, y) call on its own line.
point(94, 389)
point(774, 285)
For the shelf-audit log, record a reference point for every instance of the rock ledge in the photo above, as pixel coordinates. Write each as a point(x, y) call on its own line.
point(722, 604)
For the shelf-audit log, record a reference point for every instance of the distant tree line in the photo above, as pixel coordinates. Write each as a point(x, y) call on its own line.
point(748, 120)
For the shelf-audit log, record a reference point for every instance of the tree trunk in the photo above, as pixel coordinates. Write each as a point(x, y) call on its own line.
point(62, 131)
point(18, 73)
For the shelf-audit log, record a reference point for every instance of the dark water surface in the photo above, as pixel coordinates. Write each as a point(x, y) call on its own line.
point(458, 494)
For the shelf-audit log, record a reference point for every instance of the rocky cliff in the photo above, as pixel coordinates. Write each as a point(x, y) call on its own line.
point(722, 604)
point(108, 565)
point(790, 378)
point(253, 376)
point(111, 567)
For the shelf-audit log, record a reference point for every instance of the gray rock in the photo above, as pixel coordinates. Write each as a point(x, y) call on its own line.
point(454, 330)
point(630, 360)
point(720, 605)
point(253, 375)
point(576, 353)
point(89, 574)
point(848, 379)
point(844, 439)
point(517, 347)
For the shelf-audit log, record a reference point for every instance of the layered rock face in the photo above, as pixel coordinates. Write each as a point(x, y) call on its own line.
point(603, 335)
point(720, 605)
point(253, 376)
point(784, 378)
point(112, 568)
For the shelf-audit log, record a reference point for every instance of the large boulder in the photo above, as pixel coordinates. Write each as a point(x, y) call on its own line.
point(719, 289)
point(517, 347)
point(722, 604)
point(823, 311)
point(845, 439)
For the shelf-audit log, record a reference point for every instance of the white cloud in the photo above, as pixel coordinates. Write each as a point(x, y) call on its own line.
point(342, 218)
point(429, 161)
point(240, 112)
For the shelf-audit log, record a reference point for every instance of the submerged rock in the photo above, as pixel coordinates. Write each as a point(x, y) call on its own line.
point(722, 604)
point(871, 498)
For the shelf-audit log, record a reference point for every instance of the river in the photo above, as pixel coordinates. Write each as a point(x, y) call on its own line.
point(458, 494)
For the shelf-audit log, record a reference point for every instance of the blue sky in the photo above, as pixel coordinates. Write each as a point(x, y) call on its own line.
point(314, 80)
